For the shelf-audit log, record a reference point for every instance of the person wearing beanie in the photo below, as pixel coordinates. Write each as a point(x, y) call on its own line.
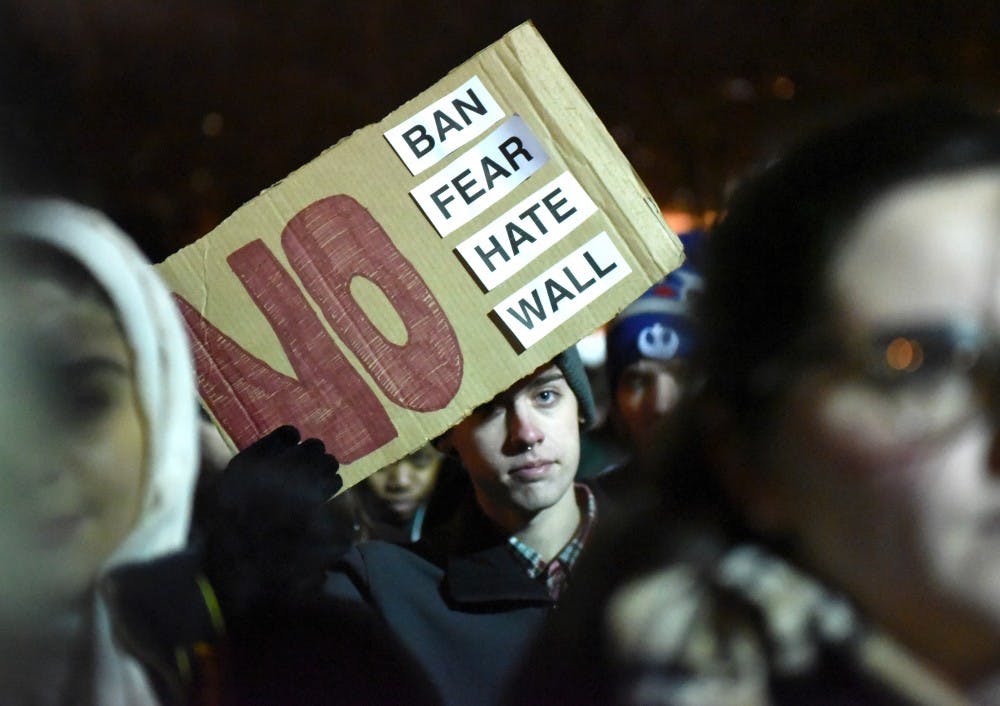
point(472, 594)
point(648, 345)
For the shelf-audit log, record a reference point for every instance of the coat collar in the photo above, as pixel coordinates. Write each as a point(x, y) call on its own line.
point(491, 575)
point(479, 566)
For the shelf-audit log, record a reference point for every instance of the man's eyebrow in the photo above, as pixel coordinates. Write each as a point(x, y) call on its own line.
point(533, 384)
point(546, 378)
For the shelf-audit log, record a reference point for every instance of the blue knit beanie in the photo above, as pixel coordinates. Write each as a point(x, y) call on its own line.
point(659, 324)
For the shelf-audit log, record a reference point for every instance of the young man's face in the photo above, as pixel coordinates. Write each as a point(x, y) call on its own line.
point(522, 449)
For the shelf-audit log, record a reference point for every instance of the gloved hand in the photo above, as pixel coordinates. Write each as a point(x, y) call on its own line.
point(266, 531)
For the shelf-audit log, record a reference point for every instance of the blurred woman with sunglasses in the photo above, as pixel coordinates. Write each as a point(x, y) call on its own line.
point(98, 442)
point(844, 436)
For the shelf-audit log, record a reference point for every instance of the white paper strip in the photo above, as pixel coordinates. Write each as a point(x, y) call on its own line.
point(549, 300)
point(506, 245)
point(482, 176)
point(448, 123)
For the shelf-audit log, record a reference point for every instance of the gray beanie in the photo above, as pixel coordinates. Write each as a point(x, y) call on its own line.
point(576, 376)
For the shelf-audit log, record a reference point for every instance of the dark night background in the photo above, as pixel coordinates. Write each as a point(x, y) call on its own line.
point(170, 114)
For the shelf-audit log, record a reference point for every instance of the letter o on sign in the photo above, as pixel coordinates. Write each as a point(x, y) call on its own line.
point(333, 240)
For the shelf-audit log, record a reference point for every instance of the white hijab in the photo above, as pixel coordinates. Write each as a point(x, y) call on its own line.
point(167, 395)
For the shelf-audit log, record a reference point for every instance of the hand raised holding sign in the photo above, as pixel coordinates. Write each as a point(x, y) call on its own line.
point(266, 533)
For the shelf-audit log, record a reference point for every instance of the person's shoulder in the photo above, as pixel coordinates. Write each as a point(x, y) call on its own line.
point(379, 558)
point(359, 571)
point(377, 548)
point(373, 552)
point(614, 484)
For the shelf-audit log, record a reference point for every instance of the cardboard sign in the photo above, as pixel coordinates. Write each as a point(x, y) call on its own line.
point(410, 273)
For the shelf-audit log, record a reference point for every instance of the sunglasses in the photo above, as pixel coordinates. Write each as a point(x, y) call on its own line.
point(923, 380)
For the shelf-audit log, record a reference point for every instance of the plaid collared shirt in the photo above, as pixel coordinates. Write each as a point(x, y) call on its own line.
point(555, 574)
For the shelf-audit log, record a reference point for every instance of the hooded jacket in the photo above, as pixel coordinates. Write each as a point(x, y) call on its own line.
point(165, 386)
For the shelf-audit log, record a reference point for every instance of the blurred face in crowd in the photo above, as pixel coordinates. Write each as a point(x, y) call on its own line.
point(885, 458)
point(522, 449)
point(401, 487)
point(647, 391)
point(73, 439)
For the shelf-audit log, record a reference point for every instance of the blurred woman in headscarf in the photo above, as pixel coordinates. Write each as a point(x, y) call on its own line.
point(98, 437)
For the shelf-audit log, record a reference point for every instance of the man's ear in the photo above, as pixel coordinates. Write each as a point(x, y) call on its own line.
point(750, 486)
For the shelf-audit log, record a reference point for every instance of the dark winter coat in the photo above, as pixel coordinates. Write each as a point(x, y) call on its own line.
point(458, 599)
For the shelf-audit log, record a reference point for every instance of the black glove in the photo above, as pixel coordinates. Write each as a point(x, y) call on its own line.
point(267, 533)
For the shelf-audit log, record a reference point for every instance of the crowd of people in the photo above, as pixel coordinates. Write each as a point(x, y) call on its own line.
point(795, 498)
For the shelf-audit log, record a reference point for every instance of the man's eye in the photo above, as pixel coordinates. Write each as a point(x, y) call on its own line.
point(547, 396)
point(637, 383)
point(422, 458)
point(486, 410)
point(640, 383)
